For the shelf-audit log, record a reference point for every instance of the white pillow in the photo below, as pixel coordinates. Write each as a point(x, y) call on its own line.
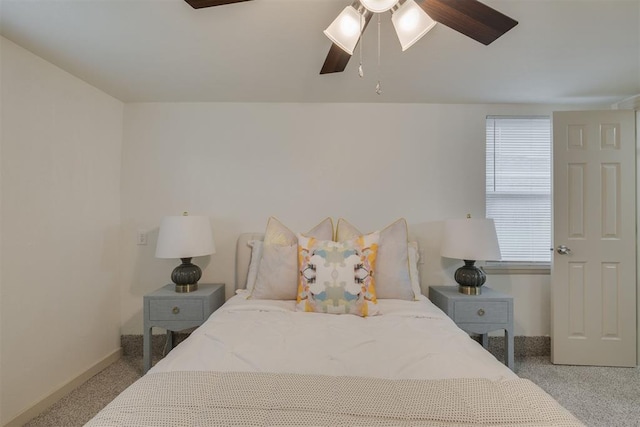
point(277, 277)
point(414, 257)
point(256, 255)
point(393, 279)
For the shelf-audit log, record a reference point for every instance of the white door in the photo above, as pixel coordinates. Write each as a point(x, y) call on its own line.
point(593, 279)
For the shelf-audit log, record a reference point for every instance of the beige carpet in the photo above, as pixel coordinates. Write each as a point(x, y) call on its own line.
point(599, 397)
point(83, 403)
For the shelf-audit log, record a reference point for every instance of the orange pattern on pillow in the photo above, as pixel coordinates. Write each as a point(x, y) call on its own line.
point(337, 277)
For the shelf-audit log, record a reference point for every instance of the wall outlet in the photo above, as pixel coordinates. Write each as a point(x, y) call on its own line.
point(141, 237)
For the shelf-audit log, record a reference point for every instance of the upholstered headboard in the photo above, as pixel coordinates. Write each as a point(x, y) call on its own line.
point(243, 257)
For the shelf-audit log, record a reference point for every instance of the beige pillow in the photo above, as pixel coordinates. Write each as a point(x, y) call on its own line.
point(393, 277)
point(277, 277)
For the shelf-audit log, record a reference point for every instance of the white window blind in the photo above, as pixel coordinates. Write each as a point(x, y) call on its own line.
point(519, 186)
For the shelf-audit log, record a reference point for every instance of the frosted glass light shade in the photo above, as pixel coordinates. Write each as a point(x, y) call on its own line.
point(378, 6)
point(345, 30)
point(470, 239)
point(185, 237)
point(411, 23)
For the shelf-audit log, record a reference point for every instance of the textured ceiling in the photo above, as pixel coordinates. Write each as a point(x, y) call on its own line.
point(562, 51)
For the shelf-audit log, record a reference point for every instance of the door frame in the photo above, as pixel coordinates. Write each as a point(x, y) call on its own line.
point(633, 103)
point(637, 229)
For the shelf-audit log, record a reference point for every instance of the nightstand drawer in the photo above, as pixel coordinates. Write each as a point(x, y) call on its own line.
point(176, 309)
point(481, 312)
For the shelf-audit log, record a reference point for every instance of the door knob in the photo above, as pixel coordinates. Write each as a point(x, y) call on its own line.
point(563, 250)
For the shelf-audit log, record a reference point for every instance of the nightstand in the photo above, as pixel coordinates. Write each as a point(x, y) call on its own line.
point(478, 314)
point(174, 312)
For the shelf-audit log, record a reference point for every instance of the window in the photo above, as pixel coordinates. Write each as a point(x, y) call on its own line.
point(518, 187)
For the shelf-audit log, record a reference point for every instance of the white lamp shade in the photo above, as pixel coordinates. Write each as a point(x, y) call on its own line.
point(345, 30)
point(378, 6)
point(411, 23)
point(470, 239)
point(185, 237)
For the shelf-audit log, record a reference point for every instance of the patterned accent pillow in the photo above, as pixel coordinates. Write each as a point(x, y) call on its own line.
point(338, 277)
point(394, 279)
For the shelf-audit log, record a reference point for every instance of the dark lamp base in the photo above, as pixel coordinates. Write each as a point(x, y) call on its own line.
point(470, 278)
point(186, 276)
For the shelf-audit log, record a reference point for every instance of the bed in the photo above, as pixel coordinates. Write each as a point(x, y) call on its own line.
point(260, 362)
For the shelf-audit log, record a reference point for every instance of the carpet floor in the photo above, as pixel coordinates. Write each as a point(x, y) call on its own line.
point(599, 397)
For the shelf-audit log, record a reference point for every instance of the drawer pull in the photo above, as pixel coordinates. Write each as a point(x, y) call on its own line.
point(175, 310)
point(481, 312)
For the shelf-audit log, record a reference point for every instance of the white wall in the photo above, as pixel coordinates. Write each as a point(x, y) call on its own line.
point(60, 192)
point(370, 163)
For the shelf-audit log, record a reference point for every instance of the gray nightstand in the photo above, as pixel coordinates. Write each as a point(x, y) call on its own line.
point(479, 314)
point(174, 311)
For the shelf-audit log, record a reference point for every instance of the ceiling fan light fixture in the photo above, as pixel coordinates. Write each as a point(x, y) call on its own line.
point(346, 29)
point(411, 23)
point(378, 6)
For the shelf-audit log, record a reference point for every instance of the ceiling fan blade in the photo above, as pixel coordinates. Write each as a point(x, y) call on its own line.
point(337, 59)
point(199, 4)
point(469, 17)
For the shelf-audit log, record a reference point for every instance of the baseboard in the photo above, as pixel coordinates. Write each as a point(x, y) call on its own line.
point(49, 400)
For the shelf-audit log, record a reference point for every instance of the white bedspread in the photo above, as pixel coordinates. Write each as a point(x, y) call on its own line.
point(270, 336)
point(261, 363)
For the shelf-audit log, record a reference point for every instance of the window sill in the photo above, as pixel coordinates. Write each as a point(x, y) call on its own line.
point(517, 268)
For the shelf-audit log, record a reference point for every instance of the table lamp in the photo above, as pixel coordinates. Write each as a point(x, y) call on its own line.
point(185, 237)
point(470, 240)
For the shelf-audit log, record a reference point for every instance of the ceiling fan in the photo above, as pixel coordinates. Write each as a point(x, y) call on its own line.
point(469, 17)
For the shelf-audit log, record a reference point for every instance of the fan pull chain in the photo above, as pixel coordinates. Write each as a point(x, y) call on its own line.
point(379, 86)
point(360, 69)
